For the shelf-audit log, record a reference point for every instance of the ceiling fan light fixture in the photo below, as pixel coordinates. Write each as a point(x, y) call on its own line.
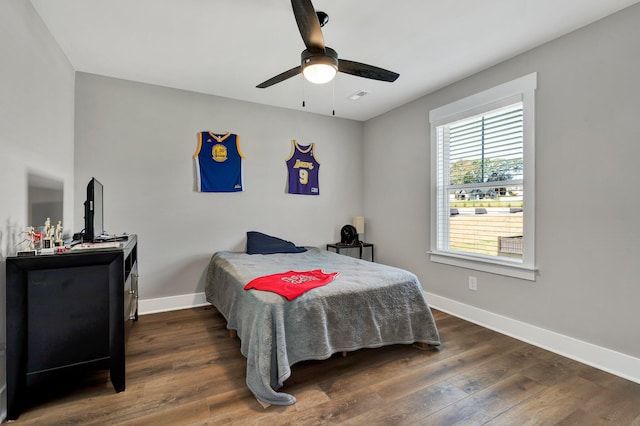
point(319, 73)
point(320, 68)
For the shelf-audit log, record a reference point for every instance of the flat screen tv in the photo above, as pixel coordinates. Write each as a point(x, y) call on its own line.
point(93, 211)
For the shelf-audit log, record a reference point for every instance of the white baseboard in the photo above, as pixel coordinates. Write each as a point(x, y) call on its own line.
point(172, 303)
point(613, 362)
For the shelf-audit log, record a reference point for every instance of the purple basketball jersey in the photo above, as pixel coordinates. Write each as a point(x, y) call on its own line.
point(303, 168)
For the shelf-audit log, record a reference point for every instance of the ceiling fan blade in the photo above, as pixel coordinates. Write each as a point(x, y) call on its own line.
point(280, 77)
point(308, 25)
point(366, 71)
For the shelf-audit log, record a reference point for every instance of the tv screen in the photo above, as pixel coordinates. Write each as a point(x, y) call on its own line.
point(93, 211)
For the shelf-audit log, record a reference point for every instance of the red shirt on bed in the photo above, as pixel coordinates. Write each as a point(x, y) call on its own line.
point(292, 284)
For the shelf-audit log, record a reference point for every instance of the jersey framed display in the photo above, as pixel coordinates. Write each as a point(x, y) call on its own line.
point(303, 170)
point(218, 161)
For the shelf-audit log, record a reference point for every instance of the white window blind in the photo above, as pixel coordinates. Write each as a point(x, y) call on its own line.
point(481, 176)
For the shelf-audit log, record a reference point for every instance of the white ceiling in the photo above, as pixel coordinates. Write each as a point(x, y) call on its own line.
point(227, 47)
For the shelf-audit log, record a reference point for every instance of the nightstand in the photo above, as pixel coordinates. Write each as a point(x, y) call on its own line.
point(341, 246)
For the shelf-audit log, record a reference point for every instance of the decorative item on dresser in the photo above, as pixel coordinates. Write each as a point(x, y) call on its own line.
point(67, 312)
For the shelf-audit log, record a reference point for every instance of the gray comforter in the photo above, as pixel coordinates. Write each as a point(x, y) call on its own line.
point(367, 305)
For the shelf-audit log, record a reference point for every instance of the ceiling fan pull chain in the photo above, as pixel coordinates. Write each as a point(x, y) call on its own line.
point(303, 102)
point(333, 97)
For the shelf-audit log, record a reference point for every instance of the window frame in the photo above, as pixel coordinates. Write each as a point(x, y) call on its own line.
point(520, 89)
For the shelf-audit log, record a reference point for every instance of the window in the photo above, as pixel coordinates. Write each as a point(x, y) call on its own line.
point(482, 180)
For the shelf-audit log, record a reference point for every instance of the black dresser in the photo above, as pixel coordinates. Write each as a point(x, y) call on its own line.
point(67, 312)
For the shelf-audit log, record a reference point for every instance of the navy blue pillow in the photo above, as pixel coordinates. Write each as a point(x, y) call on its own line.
point(259, 243)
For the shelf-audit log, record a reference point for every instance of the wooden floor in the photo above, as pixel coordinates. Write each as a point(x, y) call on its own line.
point(183, 369)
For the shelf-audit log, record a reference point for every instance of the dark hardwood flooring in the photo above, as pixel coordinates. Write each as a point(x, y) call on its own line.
point(184, 369)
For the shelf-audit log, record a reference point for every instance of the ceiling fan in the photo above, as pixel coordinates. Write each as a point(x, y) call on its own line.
point(320, 63)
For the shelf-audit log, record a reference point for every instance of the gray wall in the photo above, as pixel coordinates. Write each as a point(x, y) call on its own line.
point(139, 139)
point(587, 210)
point(36, 128)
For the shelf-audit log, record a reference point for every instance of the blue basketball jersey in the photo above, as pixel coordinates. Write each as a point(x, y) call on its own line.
point(218, 162)
point(303, 168)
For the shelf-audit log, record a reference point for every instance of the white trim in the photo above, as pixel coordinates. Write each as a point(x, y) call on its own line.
point(515, 270)
point(466, 106)
point(172, 303)
point(608, 360)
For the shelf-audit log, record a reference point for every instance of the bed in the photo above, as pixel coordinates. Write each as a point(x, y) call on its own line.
point(367, 305)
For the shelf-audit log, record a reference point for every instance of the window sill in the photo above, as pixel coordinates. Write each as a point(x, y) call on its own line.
point(492, 266)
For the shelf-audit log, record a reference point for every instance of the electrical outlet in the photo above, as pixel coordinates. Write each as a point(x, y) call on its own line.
point(473, 283)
